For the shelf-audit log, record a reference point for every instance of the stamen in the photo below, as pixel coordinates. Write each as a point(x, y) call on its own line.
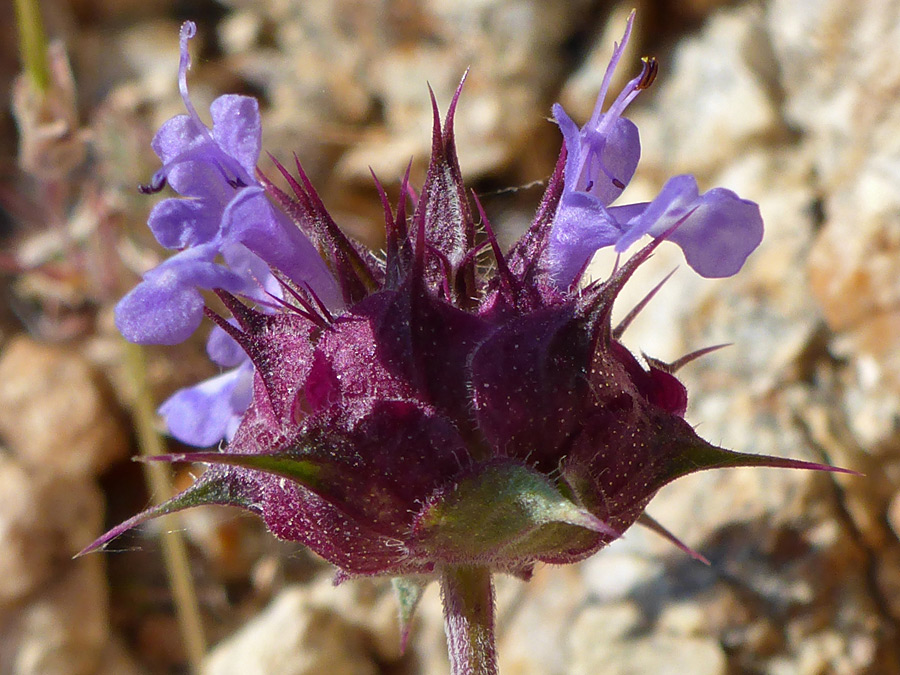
point(188, 31)
point(618, 51)
point(619, 184)
point(649, 73)
point(236, 182)
point(156, 184)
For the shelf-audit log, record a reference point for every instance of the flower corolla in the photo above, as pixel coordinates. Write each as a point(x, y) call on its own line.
point(716, 230)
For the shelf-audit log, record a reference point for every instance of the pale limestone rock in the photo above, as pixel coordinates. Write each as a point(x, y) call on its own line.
point(839, 80)
point(623, 566)
point(368, 605)
point(658, 654)
point(55, 412)
point(301, 633)
point(427, 642)
point(714, 98)
point(534, 620)
point(54, 618)
point(27, 552)
point(64, 630)
point(873, 382)
point(855, 265)
point(358, 94)
point(44, 521)
point(840, 93)
point(605, 620)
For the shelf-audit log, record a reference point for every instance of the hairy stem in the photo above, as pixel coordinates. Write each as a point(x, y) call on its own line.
point(159, 479)
point(468, 597)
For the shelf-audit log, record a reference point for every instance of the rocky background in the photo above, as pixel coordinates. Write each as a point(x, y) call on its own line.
point(792, 103)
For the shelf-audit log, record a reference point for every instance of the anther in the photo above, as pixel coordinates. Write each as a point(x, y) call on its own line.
point(619, 184)
point(236, 183)
point(157, 183)
point(648, 74)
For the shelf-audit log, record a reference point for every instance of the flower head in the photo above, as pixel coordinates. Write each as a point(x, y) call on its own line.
point(437, 414)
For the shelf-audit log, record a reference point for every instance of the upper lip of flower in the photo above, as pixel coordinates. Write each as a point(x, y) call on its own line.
point(223, 212)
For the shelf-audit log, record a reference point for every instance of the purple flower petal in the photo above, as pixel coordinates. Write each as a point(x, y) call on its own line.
point(222, 348)
point(601, 160)
point(178, 223)
point(201, 174)
point(201, 163)
point(252, 220)
point(716, 230)
point(672, 205)
point(237, 129)
point(159, 313)
point(612, 159)
point(226, 215)
point(582, 225)
point(166, 307)
point(177, 135)
point(206, 413)
point(254, 269)
point(604, 153)
point(720, 234)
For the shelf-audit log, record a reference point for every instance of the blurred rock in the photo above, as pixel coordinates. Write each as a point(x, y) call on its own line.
point(230, 542)
point(715, 95)
point(343, 630)
point(54, 618)
point(658, 654)
point(44, 521)
point(309, 638)
point(894, 514)
point(840, 88)
point(55, 412)
point(353, 77)
point(534, 620)
point(65, 630)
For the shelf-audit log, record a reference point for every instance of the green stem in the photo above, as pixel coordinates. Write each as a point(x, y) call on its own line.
point(159, 480)
point(468, 597)
point(33, 43)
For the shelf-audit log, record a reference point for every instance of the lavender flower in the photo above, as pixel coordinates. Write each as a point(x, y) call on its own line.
point(435, 420)
point(716, 230)
point(225, 212)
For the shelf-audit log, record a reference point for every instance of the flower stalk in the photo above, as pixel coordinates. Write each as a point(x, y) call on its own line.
point(468, 598)
point(33, 43)
point(159, 481)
